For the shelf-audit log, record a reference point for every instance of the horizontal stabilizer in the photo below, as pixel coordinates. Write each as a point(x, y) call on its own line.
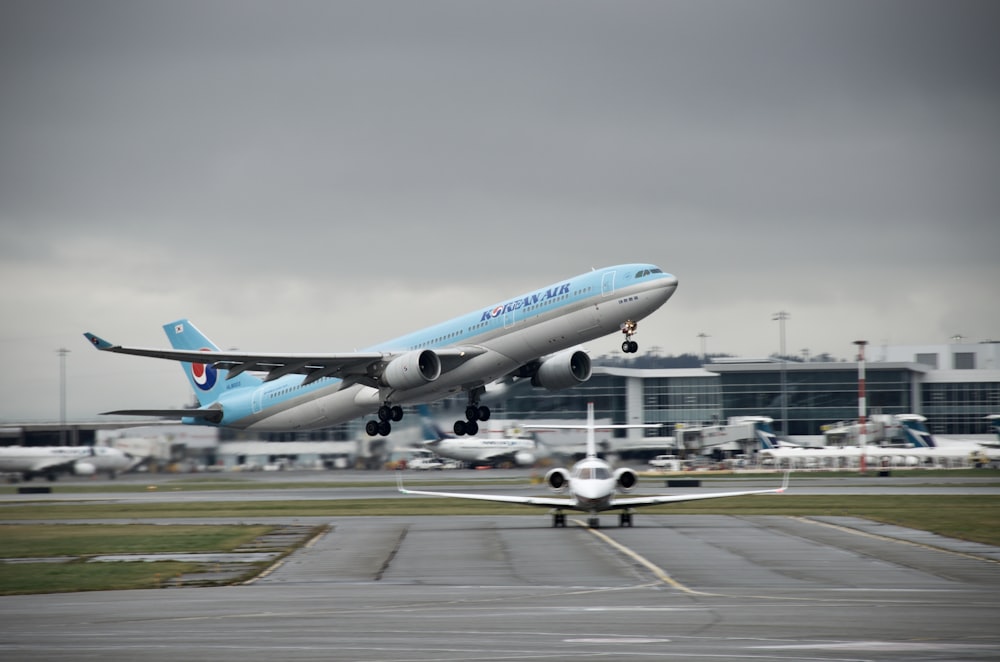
point(210, 415)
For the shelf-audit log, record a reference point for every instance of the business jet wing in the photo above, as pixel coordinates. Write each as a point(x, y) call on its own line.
point(547, 502)
point(551, 502)
point(636, 502)
point(359, 367)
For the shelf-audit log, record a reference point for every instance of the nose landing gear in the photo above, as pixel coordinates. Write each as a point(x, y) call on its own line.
point(629, 327)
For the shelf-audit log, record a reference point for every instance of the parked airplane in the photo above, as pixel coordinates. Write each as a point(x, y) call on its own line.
point(49, 461)
point(534, 335)
point(591, 486)
point(920, 438)
point(522, 451)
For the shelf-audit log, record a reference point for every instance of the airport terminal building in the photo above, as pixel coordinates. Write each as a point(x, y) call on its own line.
point(954, 386)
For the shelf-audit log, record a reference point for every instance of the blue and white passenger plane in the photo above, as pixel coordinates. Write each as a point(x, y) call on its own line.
point(532, 336)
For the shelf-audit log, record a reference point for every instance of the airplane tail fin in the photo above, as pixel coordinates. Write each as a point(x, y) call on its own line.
point(207, 381)
point(430, 431)
point(765, 435)
point(591, 440)
point(917, 435)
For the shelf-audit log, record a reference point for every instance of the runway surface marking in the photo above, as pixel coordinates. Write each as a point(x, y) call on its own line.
point(901, 541)
point(659, 572)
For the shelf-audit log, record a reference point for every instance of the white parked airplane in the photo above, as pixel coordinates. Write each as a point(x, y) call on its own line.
point(534, 335)
point(591, 486)
point(49, 461)
point(522, 451)
point(923, 442)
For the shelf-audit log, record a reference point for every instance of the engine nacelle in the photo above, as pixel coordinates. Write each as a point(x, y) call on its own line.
point(84, 469)
point(412, 369)
point(625, 480)
point(524, 458)
point(557, 480)
point(562, 370)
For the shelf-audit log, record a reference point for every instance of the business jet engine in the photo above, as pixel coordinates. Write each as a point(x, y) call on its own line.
point(84, 469)
point(412, 369)
point(557, 480)
point(625, 480)
point(562, 370)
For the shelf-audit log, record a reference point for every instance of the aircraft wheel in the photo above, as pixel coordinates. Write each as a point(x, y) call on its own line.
point(384, 413)
point(384, 428)
point(594, 522)
point(459, 428)
point(371, 427)
point(472, 427)
point(484, 413)
point(625, 519)
point(396, 413)
point(559, 520)
point(472, 413)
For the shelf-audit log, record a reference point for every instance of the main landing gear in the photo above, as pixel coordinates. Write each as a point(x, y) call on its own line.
point(629, 327)
point(473, 413)
point(383, 426)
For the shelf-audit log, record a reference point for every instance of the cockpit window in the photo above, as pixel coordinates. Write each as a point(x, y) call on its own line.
point(647, 272)
point(592, 473)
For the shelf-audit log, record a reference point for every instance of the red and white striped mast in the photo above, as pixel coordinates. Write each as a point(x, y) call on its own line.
point(862, 405)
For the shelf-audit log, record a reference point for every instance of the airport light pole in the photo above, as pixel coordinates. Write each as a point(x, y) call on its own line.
point(780, 317)
point(62, 352)
point(703, 336)
point(862, 404)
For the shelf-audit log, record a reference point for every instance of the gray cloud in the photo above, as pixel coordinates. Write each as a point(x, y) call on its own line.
point(325, 175)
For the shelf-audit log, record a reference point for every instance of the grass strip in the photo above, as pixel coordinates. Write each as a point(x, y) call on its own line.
point(967, 517)
point(24, 578)
point(42, 540)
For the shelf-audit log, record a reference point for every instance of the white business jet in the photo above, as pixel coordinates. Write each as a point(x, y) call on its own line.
point(532, 336)
point(591, 486)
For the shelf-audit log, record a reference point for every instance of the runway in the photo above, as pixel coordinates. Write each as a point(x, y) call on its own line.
point(708, 587)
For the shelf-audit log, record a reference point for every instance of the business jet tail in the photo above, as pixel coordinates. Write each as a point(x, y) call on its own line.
point(207, 381)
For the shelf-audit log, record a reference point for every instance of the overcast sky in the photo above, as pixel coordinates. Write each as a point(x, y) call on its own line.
point(321, 176)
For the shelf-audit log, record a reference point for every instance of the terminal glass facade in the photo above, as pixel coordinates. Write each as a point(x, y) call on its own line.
point(815, 397)
point(960, 407)
point(688, 400)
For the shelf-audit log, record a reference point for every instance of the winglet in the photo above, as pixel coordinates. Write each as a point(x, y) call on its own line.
point(784, 483)
point(99, 343)
point(399, 482)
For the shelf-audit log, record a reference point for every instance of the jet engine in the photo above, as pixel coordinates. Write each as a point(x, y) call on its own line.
point(557, 480)
point(84, 469)
point(562, 370)
point(626, 480)
point(412, 369)
point(524, 458)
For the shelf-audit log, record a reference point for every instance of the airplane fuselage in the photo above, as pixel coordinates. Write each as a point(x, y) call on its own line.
point(49, 460)
point(512, 333)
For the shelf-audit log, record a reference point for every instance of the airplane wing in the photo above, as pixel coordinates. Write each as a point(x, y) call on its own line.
point(635, 502)
point(361, 367)
point(547, 502)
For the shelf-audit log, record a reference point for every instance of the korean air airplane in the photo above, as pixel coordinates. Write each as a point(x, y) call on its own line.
point(534, 336)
